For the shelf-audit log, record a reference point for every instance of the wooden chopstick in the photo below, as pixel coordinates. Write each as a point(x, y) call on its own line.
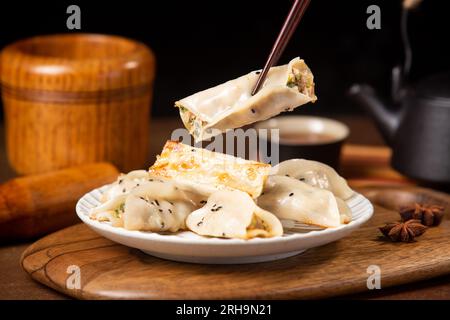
point(290, 24)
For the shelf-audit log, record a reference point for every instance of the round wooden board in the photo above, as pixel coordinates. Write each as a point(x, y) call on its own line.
point(112, 271)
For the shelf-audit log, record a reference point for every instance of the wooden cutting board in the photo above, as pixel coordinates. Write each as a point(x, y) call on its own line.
point(109, 271)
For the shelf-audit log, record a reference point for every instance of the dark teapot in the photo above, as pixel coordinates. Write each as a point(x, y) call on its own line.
point(418, 130)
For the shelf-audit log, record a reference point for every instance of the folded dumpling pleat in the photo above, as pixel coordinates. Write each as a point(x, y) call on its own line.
point(233, 214)
point(153, 205)
point(231, 104)
point(289, 198)
point(315, 174)
point(125, 183)
point(147, 214)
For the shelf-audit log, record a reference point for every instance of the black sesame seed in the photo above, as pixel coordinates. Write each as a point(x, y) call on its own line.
point(157, 203)
point(258, 72)
point(124, 190)
point(203, 202)
point(302, 179)
point(291, 194)
point(199, 224)
point(253, 110)
point(160, 210)
point(223, 234)
point(150, 180)
point(170, 210)
point(287, 175)
point(120, 181)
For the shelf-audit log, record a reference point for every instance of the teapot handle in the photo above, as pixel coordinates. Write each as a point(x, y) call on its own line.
point(397, 84)
point(400, 74)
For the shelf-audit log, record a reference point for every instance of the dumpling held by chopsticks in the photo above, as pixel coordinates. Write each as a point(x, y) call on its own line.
point(231, 104)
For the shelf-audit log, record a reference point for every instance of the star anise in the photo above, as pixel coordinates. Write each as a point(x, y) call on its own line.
point(429, 215)
point(403, 231)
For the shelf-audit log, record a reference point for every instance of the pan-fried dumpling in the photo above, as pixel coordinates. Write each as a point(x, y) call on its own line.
point(233, 214)
point(204, 172)
point(125, 183)
point(231, 104)
point(290, 198)
point(148, 214)
point(154, 205)
point(315, 174)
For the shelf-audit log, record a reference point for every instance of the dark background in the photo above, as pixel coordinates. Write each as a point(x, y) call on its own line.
point(199, 44)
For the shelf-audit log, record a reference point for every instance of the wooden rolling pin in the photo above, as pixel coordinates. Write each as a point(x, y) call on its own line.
point(32, 206)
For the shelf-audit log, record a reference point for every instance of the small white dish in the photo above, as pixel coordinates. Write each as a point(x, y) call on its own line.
point(187, 246)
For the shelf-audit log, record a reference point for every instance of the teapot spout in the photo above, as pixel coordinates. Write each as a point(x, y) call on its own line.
point(386, 120)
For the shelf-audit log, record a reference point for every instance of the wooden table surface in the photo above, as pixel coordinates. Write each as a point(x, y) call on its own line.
point(16, 284)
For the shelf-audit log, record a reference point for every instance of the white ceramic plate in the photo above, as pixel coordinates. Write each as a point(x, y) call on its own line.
point(187, 246)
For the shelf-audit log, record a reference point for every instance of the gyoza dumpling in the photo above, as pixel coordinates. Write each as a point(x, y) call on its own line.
point(154, 205)
point(125, 183)
point(289, 198)
point(233, 214)
point(315, 174)
point(147, 214)
point(203, 171)
point(231, 104)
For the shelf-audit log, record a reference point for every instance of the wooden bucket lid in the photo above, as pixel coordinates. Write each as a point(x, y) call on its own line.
point(76, 63)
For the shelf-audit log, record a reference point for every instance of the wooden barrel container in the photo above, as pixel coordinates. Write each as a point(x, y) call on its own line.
point(76, 98)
